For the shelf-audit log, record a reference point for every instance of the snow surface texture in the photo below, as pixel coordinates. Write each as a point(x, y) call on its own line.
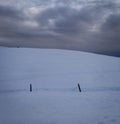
point(55, 99)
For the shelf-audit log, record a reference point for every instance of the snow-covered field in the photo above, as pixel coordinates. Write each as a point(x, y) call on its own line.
point(54, 75)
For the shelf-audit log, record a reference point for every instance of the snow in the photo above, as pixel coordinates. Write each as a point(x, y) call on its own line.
point(55, 99)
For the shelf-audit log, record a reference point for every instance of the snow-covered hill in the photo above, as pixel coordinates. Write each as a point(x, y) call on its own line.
point(54, 75)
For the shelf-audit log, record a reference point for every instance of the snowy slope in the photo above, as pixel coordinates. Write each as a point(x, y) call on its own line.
point(55, 99)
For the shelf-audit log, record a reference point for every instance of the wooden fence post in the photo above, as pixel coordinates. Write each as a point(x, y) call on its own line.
point(79, 88)
point(30, 87)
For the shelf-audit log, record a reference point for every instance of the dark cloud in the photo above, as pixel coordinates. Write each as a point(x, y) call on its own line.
point(92, 27)
point(112, 23)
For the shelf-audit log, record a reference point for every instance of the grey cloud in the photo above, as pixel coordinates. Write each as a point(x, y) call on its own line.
point(93, 28)
point(56, 14)
point(112, 23)
point(76, 23)
point(110, 34)
point(9, 12)
point(9, 18)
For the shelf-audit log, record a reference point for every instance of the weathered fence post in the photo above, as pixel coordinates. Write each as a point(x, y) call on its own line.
point(79, 88)
point(30, 87)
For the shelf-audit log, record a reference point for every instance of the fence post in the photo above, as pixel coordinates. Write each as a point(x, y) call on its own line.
point(30, 87)
point(79, 87)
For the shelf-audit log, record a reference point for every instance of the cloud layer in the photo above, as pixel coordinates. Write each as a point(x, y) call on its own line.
point(91, 26)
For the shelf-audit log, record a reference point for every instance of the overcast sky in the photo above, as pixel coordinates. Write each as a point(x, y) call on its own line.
point(85, 25)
